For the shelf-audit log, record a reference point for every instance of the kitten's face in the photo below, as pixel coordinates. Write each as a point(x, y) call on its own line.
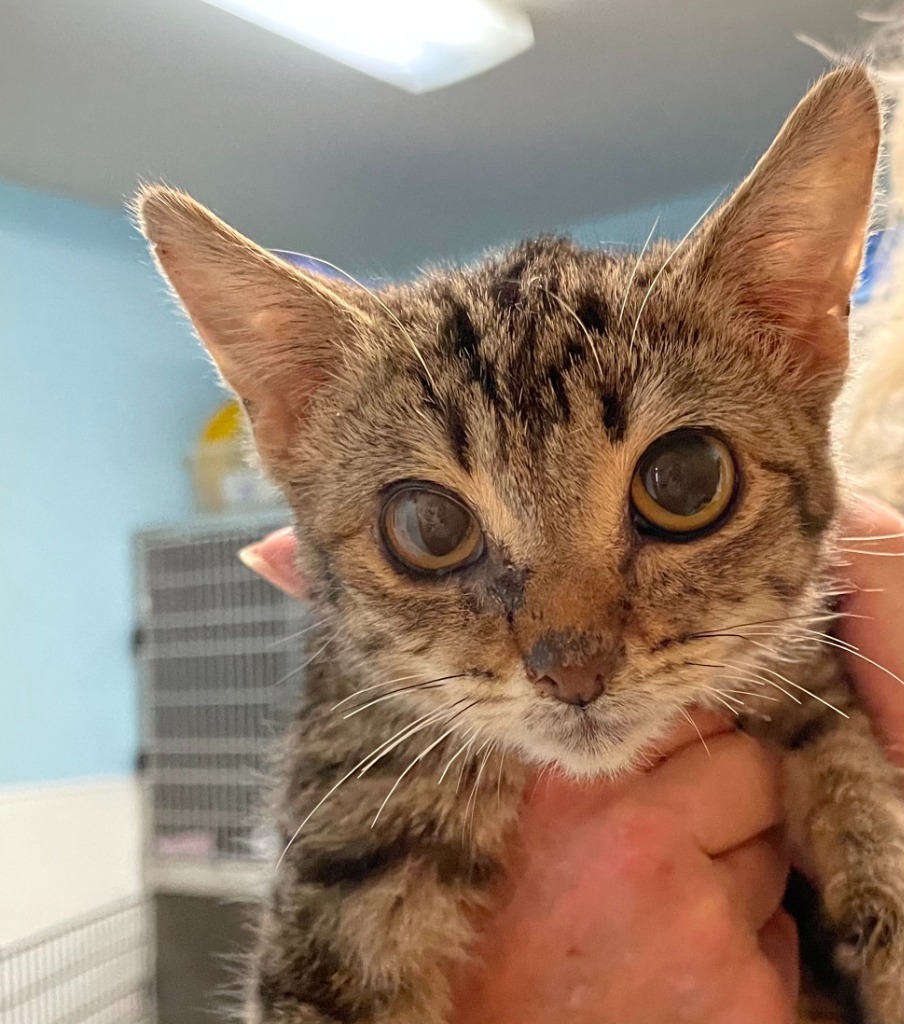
point(532, 402)
point(476, 461)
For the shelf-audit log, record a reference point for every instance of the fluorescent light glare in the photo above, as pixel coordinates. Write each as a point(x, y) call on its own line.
point(417, 45)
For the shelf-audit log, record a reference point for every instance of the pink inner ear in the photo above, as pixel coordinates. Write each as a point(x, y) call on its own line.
point(798, 282)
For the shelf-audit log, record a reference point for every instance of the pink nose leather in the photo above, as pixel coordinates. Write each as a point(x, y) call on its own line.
point(574, 684)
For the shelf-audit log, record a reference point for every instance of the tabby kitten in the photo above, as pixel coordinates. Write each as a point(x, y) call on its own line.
point(545, 504)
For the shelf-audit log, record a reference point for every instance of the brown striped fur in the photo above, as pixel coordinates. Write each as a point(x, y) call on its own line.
point(530, 385)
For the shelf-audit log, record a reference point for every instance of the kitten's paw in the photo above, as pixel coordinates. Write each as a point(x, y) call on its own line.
point(869, 923)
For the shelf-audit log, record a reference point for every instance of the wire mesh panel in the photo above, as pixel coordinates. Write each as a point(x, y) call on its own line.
point(221, 659)
point(93, 970)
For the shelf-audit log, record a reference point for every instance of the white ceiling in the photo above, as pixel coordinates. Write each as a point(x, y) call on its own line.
point(621, 103)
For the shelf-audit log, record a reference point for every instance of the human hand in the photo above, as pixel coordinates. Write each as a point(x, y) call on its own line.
point(564, 812)
point(654, 900)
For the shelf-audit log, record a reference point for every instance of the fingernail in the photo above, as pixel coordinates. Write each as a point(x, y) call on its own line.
point(249, 557)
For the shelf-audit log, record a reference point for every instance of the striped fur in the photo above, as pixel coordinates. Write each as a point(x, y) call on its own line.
point(530, 385)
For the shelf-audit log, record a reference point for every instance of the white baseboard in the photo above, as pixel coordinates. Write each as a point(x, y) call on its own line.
point(66, 849)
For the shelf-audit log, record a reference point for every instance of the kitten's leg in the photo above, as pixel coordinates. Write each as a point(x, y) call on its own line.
point(375, 953)
point(846, 818)
point(366, 921)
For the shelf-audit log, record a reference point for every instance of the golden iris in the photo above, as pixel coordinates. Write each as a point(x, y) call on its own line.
point(429, 530)
point(683, 483)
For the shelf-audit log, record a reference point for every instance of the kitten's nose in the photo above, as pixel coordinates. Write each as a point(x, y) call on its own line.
point(574, 684)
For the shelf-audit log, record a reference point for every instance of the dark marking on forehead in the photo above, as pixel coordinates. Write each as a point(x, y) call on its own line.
point(452, 419)
point(507, 294)
point(428, 392)
point(463, 343)
point(557, 383)
point(813, 522)
point(458, 435)
point(507, 288)
point(615, 415)
point(575, 353)
point(593, 314)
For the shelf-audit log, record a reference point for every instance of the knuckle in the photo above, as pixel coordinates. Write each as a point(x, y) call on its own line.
point(711, 925)
point(645, 826)
point(643, 843)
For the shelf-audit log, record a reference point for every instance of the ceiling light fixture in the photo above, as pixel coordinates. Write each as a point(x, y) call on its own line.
point(417, 45)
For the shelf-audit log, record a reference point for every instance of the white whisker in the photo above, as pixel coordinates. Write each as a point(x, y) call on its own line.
point(386, 308)
point(420, 757)
point(469, 739)
point(668, 260)
point(580, 323)
point(749, 693)
point(476, 786)
point(431, 719)
point(429, 684)
point(375, 686)
point(464, 763)
point(820, 48)
point(696, 729)
point(300, 668)
point(871, 537)
point(643, 252)
point(750, 673)
point(297, 635)
point(721, 699)
point(803, 689)
point(336, 786)
point(790, 682)
point(873, 554)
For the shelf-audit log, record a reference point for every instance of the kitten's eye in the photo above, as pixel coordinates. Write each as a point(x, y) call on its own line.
point(429, 530)
point(683, 483)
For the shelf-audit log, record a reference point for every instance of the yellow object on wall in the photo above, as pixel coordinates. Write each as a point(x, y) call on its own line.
point(226, 424)
point(224, 481)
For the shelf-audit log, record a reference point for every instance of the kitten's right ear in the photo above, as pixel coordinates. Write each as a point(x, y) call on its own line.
point(275, 333)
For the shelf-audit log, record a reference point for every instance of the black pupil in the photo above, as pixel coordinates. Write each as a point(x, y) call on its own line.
point(433, 522)
point(682, 473)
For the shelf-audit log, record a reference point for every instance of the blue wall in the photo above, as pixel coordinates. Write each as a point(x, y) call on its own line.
point(672, 220)
point(103, 392)
point(669, 219)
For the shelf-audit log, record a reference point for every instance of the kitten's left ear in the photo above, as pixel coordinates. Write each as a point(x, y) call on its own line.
point(787, 247)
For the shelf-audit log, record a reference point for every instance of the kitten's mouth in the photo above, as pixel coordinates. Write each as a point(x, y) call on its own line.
point(597, 741)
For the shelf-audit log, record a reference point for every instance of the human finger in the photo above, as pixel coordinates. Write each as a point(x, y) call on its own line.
point(754, 877)
point(727, 792)
point(779, 944)
point(274, 559)
point(872, 545)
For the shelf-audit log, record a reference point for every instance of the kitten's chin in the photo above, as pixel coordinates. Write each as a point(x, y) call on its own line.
point(596, 747)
